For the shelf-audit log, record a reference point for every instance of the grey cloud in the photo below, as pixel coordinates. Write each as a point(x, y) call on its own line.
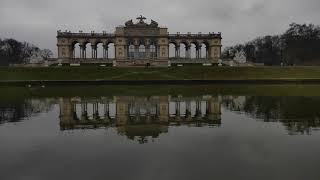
point(239, 21)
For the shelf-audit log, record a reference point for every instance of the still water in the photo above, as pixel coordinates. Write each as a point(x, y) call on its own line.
point(160, 136)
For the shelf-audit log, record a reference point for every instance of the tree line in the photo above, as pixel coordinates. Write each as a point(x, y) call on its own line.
point(298, 114)
point(15, 52)
point(299, 45)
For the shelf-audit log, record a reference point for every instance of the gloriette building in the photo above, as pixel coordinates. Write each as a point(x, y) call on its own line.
point(139, 44)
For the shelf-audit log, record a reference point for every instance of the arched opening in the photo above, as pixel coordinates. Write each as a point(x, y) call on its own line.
point(76, 50)
point(142, 51)
point(193, 51)
point(204, 51)
point(131, 51)
point(88, 52)
point(153, 53)
point(111, 51)
point(100, 50)
point(172, 50)
point(183, 50)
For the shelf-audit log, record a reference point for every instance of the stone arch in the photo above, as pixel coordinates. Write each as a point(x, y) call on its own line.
point(130, 41)
point(142, 50)
point(153, 50)
point(89, 41)
point(100, 50)
point(141, 41)
point(185, 42)
point(194, 49)
point(88, 50)
point(204, 49)
point(195, 42)
point(153, 41)
point(173, 41)
point(76, 49)
point(97, 41)
point(110, 49)
point(131, 50)
point(173, 50)
point(184, 48)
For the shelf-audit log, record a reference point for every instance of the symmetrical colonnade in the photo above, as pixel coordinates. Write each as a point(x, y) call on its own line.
point(94, 50)
point(141, 51)
point(200, 51)
point(124, 109)
point(140, 43)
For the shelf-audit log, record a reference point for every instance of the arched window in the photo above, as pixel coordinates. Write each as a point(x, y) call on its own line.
point(131, 51)
point(76, 50)
point(111, 51)
point(172, 50)
point(204, 51)
point(193, 51)
point(153, 51)
point(183, 50)
point(142, 51)
point(99, 53)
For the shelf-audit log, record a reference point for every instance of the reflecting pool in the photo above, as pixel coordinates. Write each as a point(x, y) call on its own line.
point(197, 133)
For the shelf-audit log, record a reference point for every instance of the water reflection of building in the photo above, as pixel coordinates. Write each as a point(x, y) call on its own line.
point(139, 116)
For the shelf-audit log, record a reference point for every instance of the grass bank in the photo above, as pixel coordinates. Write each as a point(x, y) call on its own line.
point(11, 93)
point(174, 73)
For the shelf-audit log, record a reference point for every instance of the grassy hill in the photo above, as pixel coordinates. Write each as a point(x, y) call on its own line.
point(174, 73)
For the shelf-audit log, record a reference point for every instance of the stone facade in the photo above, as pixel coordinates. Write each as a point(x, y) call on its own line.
point(137, 44)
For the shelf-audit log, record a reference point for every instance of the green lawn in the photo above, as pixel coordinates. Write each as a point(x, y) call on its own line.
point(174, 73)
point(11, 92)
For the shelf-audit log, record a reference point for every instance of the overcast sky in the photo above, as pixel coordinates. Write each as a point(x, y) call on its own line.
point(37, 21)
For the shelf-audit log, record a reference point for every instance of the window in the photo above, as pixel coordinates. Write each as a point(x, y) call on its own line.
point(131, 51)
point(142, 51)
point(153, 51)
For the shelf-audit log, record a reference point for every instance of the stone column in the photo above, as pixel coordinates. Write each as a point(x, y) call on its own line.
point(66, 113)
point(214, 109)
point(136, 52)
point(163, 108)
point(81, 51)
point(199, 52)
point(188, 52)
point(177, 54)
point(84, 111)
point(107, 51)
point(106, 110)
point(73, 52)
point(128, 53)
point(198, 108)
point(178, 108)
point(158, 52)
point(93, 53)
point(188, 109)
point(207, 52)
point(104, 51)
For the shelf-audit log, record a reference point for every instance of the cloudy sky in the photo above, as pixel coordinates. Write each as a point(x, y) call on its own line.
point(37, 21)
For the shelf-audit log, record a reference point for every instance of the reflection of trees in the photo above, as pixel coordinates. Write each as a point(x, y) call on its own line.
point(15, 111)
point(298, 114)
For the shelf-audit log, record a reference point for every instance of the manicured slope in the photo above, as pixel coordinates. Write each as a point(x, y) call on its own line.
point(178, 73)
